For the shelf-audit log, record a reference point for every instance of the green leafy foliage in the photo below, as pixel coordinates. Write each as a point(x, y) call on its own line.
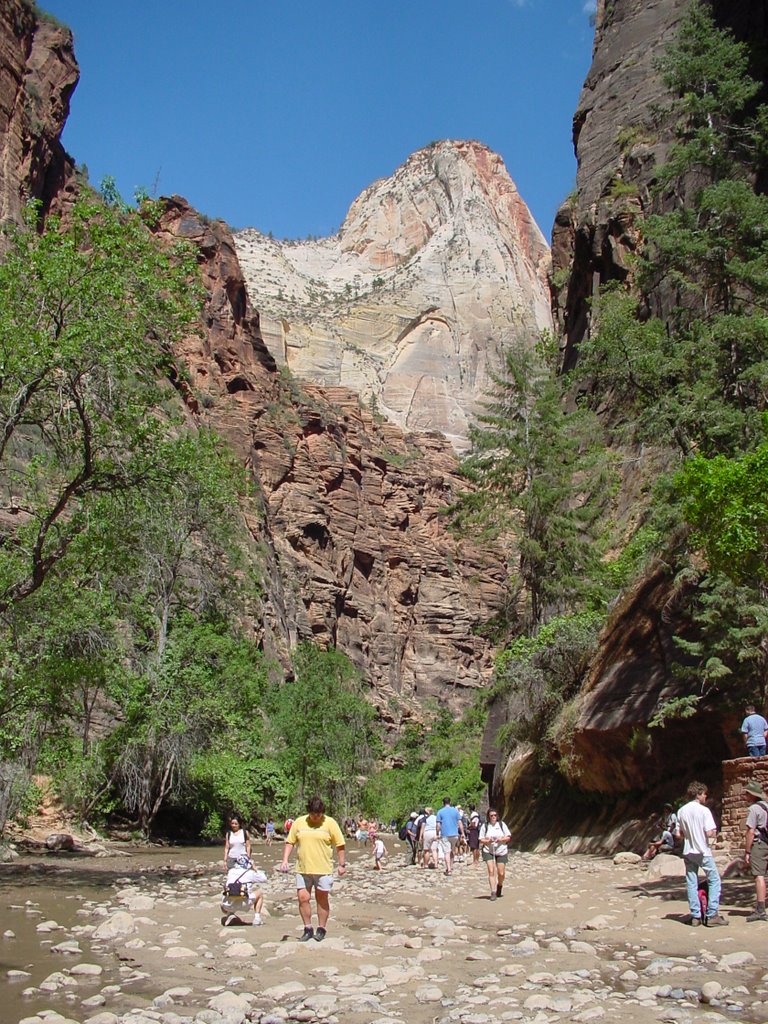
point(537, 675)
point(227, 779)
point(439, 760)
point(323, 728)
point(84, 332)
point(538, 476)
point(726, 501)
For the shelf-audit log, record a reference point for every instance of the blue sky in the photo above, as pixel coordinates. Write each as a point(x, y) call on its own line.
point(276, 114)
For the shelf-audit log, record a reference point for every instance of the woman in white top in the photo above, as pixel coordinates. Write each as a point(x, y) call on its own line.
point(494, 836)
point(428, 837)
point(237, 844)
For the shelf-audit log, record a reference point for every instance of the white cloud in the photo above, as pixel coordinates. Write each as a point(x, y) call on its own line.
point(589, 6)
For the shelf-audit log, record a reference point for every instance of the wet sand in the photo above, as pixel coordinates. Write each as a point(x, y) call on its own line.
point(573, 938)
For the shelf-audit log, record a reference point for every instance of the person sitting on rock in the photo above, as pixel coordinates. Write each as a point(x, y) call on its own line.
point(665, 841)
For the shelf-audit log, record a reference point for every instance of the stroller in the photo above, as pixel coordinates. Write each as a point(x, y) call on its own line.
point(241, 893)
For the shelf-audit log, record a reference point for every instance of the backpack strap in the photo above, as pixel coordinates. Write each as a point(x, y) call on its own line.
point(761, 831)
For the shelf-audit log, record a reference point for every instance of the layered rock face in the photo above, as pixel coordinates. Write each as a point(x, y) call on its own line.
point(619, 139)
point(435, 271)
point(353, 544)
point(38, 74)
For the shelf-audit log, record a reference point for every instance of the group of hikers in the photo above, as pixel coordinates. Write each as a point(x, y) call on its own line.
point(693, 826)
point(436, 840)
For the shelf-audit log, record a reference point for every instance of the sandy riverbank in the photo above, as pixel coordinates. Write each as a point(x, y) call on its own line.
point(573, 938)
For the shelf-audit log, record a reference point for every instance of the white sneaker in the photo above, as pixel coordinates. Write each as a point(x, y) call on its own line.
point(257, 919)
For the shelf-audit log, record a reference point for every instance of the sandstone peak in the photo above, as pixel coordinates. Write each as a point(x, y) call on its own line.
point(452, 185)
point(434, 272)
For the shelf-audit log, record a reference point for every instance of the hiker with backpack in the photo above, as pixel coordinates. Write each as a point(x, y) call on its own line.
point(756, 846)
point(494, 837)
point(242, 892)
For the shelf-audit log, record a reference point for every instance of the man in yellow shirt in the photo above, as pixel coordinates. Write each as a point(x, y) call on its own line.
point(315, 835)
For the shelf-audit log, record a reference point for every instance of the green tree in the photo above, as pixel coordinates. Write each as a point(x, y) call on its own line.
point(227, 780)
point(726, 502)
point(204, 694)
point(118, 519)
point(324, 728)
point(89, 309)
point(707, 72)
point(538, 475)
point(440, 758)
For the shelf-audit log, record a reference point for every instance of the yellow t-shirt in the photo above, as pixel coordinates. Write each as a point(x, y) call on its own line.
point(314, 844)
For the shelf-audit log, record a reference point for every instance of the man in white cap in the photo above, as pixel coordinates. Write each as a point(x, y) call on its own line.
point(756, 846)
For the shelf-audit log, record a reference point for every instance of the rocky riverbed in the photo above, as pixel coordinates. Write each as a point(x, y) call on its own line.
point(574, 938)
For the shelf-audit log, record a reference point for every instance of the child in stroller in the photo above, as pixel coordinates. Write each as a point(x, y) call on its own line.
point(242, 893)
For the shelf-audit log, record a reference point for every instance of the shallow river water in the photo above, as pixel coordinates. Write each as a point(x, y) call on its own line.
point(62, 888)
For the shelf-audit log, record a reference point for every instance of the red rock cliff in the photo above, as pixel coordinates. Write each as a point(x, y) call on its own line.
point(38, 74)
point(355, 547)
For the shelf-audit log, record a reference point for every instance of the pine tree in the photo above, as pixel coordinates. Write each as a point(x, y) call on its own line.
point(537, 479)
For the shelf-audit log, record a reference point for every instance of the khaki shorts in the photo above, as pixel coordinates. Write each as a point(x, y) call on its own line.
point(500, 858)
point(758, 859)
point(323, 883)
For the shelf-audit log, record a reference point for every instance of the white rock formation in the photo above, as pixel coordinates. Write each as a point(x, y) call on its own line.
point(434, 273)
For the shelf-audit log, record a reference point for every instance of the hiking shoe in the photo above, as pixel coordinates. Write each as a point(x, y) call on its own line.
point(717, 921)
point(493, 896)
point(308, 934)
point(695, 922)
point(319, 934)
point(498, 891)
point(758, 915)
point(257, 920)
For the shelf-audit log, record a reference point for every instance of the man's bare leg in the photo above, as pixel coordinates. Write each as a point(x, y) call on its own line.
point(323, 908)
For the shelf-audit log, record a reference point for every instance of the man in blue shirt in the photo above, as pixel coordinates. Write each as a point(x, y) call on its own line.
point(755, 729)
point(449, 828)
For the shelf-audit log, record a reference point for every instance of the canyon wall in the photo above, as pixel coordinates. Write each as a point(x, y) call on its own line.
point(38, 74)
point(619, 138)
point(350, 541)
point(435, 271)
point(617, 769)
point(356, 550)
